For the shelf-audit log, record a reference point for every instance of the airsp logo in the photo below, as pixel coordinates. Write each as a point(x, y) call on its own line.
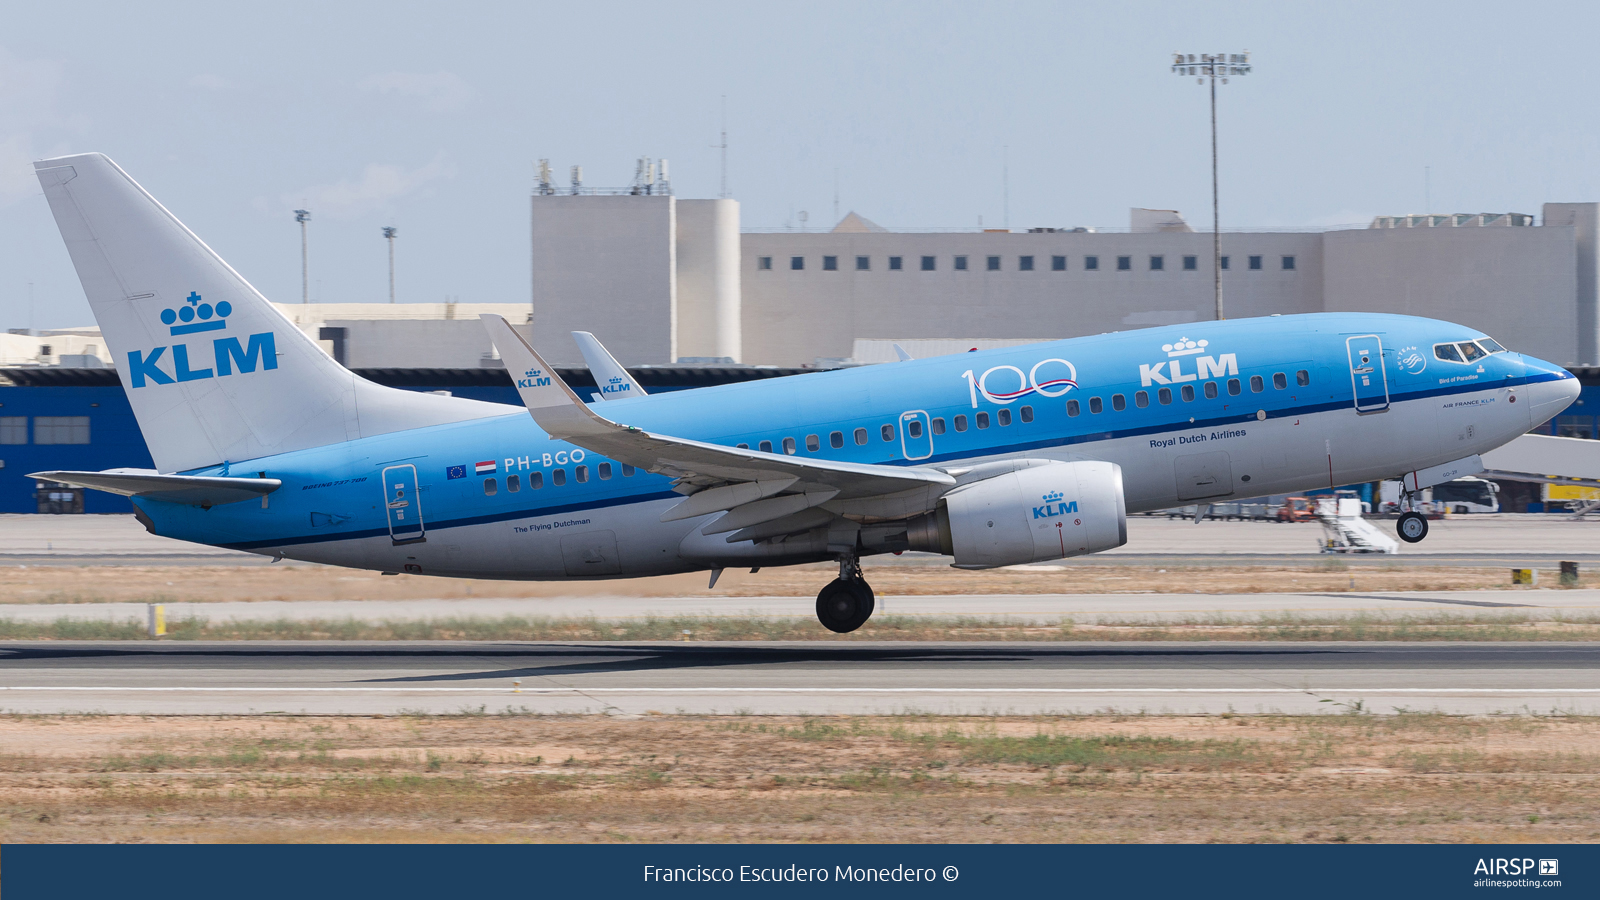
point(533, 378)
point(199, 316)
point(1221, 365)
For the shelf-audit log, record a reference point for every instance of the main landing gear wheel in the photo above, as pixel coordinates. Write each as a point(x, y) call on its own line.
point(1412, 527)
point(845, 605)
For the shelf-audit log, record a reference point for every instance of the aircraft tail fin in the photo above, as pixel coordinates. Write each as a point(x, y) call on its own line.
point(214, 372)
point(613, 380)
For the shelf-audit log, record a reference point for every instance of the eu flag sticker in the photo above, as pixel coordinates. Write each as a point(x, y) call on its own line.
point(455, 472)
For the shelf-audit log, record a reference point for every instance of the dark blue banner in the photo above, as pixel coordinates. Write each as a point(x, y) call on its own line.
point(57, 872)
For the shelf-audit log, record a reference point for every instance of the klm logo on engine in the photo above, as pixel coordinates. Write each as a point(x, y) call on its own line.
point(259, 351)
point(533, 378)
point(1053, 508)
point(1171, 372)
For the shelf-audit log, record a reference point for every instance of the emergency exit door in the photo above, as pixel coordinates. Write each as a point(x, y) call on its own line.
point(403, 504)
point(916, 435)
point(1367, 374)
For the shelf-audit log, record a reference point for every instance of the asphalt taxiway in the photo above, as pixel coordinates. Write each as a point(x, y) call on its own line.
point(795, 678)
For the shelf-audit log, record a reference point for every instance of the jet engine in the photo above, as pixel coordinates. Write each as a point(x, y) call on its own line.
point(1029, 515)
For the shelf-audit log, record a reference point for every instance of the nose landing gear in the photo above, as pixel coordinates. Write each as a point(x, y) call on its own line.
point(1412, 526)
point(847, 602)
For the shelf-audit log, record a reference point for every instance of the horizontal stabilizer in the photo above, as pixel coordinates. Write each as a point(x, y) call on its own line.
point(204, 491)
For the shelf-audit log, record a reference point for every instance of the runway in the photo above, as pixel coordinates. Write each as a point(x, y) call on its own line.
point(797, 679)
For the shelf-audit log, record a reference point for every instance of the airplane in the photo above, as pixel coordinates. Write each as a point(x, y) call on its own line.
point(1002, 457)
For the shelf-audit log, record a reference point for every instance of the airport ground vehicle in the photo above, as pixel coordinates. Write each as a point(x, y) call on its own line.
point(1001, 457)
point(1297, 509)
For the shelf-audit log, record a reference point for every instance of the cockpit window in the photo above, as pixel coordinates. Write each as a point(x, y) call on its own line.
point(1447, 352)
point(1471, 352)
point(1491, 345)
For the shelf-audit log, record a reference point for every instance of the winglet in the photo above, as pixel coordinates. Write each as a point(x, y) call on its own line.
point(559, 411)
point(613, 380)
point(901, 352)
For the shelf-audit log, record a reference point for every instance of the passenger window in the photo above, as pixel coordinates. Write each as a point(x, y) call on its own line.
point(1164, 395)
point(812, 443)
point(1302, 378)
point(1446, 352)
point(983, 419)
point(888, 432)
point(788, 446)
point(914, 428)
point(558, 477)
point(765, 446)
point(627, 471)
point(1188, 393)
point(1141, 399)
point(1026, 413)
point(961, 423)
point(836, 439)
point(1257, 385)
point(938, 425)
point(490, 487)
point(535, 481)
point(1233, 387)
point(1072, 407)
point(1095, 405)
point(513, 483)
point(861, 435)
point(1211, 390)
point(1004, 416)
point(1119, 402)
point(582, 472)
point(1472, 352)
point(1279, 381)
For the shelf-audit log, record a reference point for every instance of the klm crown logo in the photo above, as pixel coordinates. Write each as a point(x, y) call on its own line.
point(615, 385)
point(1053, 508)
point(534, 377)
point(226, 355)
point(210, 319)
point(1184, 347)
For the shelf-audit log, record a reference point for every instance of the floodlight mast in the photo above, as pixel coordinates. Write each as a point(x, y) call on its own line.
point(303, 216)
point(389, 232)
point(1208, 67)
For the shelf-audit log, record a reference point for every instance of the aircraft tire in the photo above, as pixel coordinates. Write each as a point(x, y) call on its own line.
point(1411, 527)
point(845, 605)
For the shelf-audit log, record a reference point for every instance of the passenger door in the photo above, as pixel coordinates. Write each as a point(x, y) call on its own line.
point(916, 435)
point(1367, 372)
point(403, 504)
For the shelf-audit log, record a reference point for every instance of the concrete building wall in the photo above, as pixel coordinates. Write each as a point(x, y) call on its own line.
point(1519, 285)
point(794, 316)
point(607, 265)
point(1584, 219)
point(708, 279)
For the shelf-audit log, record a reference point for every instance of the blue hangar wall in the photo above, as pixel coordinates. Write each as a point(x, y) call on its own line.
point(113, 438)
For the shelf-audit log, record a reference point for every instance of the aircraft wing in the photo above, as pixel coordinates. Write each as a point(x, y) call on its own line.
point(613, 380)
point(194, 490)
point(757, 487)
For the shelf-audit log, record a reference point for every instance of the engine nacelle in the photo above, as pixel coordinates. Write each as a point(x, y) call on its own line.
point(1029, 515)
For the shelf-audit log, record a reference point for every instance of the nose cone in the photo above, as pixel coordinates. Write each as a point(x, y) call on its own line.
point(1551, 389)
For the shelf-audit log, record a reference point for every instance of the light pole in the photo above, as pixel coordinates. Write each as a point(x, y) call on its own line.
point(303, 216)
point(1208, 67)
point(389, 232)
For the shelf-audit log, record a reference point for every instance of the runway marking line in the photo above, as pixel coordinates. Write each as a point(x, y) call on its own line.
point(794, 690)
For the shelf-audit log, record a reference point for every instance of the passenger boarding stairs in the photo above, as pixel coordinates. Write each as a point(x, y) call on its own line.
point(1346, 532)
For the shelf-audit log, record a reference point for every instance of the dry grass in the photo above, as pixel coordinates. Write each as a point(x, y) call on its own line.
point(893, 779)
point(202, 584)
